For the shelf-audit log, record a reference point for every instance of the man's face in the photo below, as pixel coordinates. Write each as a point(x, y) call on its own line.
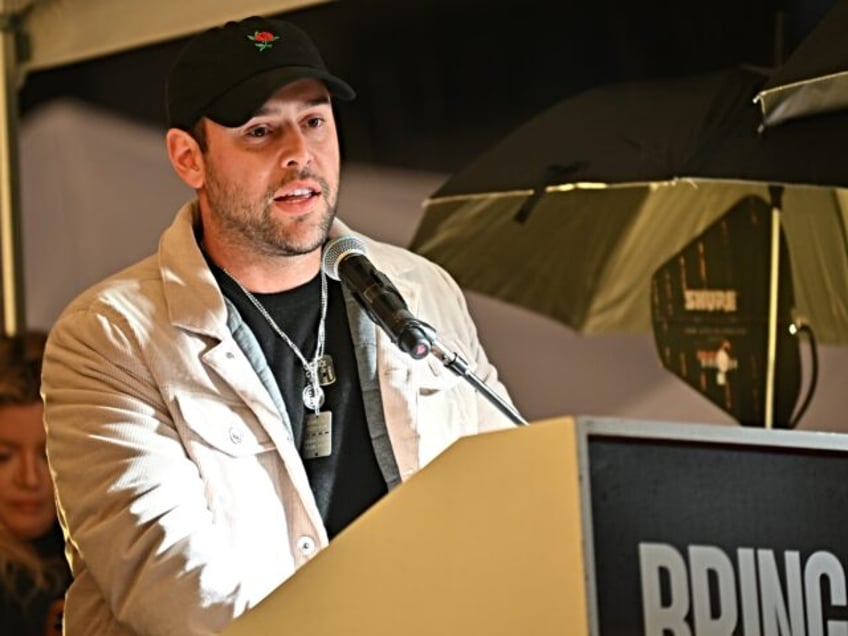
point(271, 185)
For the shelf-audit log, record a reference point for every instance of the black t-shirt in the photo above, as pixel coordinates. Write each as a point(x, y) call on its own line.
point(349, 480)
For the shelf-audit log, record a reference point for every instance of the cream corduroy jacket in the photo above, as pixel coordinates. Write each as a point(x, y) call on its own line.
point(183, 499)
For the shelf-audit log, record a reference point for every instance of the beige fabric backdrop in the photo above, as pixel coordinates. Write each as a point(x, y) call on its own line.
point(98, 190)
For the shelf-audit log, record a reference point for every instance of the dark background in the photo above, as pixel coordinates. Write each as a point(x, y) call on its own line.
point(441, 80)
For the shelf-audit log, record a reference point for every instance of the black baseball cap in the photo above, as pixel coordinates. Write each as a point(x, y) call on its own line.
point(228, 72)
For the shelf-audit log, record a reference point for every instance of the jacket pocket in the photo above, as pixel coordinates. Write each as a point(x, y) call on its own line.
point(242, 481)
point(228, 427)
point(235, 458)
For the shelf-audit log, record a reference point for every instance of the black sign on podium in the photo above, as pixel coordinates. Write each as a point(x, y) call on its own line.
point(715, 530)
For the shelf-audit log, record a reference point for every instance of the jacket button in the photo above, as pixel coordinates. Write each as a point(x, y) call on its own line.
point(235, 435)
point(306, 545)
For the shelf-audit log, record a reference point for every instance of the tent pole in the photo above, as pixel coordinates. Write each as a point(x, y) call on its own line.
point(10, 222)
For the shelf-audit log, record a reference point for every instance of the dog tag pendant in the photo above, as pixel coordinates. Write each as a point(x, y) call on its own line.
point(313, 396)
point(325, 372)
point(318, 435)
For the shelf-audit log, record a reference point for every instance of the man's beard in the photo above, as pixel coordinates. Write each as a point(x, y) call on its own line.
point(254, 223)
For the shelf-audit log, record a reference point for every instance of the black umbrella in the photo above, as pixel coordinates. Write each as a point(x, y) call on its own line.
point(573, 213)
point(570, 215)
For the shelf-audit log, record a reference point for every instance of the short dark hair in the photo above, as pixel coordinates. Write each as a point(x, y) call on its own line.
point(20, 367)
point(198, 132)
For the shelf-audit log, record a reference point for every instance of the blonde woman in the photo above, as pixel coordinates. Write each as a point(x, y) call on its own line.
point(33, 572)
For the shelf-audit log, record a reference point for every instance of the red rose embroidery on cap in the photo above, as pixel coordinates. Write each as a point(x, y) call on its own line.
point(263, 39)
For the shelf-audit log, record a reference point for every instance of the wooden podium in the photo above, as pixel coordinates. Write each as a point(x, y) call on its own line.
point(486, 539)
point(589, 526)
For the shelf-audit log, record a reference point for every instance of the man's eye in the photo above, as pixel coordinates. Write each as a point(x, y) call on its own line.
point(259, 131)
point(315, 122)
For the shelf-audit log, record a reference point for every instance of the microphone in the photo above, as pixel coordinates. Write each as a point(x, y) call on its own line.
point(344, 260)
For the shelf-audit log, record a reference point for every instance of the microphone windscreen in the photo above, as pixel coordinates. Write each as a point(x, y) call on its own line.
point(337, 250)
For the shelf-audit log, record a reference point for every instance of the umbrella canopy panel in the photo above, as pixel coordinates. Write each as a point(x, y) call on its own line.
point(618, 133)
point(815, 77)
point(809, 151)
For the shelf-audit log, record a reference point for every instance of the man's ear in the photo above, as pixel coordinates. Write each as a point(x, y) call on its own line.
point(186, 157)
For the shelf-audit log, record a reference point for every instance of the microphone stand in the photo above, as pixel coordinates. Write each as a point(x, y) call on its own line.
point(455, 363)
point(459, 366)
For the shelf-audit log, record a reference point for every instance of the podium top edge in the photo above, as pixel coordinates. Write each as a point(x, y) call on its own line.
point(594, 426)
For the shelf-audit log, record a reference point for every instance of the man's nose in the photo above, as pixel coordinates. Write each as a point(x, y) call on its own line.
point(295, 148)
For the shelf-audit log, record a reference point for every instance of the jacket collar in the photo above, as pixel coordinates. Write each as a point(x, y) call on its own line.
point(192, 296)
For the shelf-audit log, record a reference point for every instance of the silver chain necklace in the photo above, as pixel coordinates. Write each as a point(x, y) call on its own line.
point(313, 394)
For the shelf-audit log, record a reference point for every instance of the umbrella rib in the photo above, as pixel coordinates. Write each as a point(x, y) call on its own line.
point(562, 187)
point(552, 172)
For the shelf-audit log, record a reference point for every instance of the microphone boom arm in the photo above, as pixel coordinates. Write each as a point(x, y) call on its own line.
point(460, 367)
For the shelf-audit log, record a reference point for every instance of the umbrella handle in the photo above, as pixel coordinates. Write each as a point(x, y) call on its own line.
point(776, 195)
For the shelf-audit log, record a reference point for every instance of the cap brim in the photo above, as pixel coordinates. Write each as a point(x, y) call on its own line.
point(239, 104)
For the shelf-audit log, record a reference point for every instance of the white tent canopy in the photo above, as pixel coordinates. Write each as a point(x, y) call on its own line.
point(65, 31)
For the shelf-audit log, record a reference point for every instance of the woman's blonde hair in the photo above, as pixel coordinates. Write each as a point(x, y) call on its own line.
point(20, 384)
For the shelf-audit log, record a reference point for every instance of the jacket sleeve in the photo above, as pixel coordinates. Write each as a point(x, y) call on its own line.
point(129, 496)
